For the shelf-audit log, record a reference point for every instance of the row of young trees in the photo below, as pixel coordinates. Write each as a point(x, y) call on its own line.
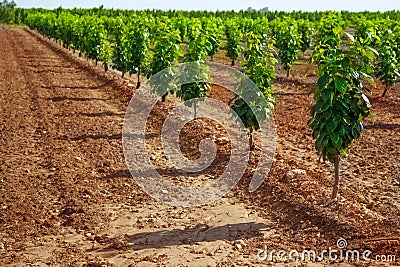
point(290, 36)
point(224, 15)
point(148, 44)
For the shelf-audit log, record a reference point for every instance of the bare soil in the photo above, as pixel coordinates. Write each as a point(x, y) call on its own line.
point(68, 199)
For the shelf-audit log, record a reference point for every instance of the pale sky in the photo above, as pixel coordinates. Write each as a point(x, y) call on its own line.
point(212, 5)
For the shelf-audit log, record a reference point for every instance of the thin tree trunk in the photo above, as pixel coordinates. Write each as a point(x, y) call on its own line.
point(288, 73)
point(233, 63)
point(251, 137)
point(123, 74)
point(384, 92)
point(138, 79)
point(163, 98)
point(336, 184)
point(96, 62)
point(105, 67)
point(195, 108)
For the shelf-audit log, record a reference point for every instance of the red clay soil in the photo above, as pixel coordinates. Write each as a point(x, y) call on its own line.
point(63, 175)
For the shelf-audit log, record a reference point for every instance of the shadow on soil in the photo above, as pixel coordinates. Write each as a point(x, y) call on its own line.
point(290, 210)
point(192, 235)
point(90, 136)
point(383, 126)
point(102, 114)
point(64, 98)
point(95, 87)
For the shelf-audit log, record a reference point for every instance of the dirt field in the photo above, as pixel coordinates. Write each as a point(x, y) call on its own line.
point(67, 198)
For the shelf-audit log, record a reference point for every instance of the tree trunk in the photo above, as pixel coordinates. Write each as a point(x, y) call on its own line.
point(251, 138)
point(123, 74)
point(195, 108)
point(96, 62)
point(138, 79)
point(336, 184)
point(384, 92)
point(105, 67)
point(233, 63)
point(163, 98)
point(288, 73)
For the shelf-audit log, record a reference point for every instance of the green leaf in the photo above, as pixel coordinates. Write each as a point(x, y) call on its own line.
point(310, 121)
point(370, 54)
point(343, 103)
point(341, 84)
point(315, 134)
point(331, 125)
point(339, 144)
point(334, 137)
point(331, 150)
point(327, 96)
point(356, 134)
point(336, 118)
point(372, 118)
point(373, 51)
point(345, 120)
point(369, 79)
point(323, 81)
point(326, 106)
point(346, 63)
point(342, 131)
point(360, 127)
point(327, 114)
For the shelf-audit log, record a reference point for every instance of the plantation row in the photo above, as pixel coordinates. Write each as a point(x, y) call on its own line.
point(18, 15)
point(148, 42)
point(136, 44)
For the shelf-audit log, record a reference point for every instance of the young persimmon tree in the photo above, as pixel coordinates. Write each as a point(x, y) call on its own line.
point(388, 67)
point(105, 52)
point(306, 31)
point(196, 52)
point(288, 43)
point(233, 36)
point(212, 28)
point(166, 51)
point(341, 102)
point(121, 51)
point(139, 43)
point(258, 65)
